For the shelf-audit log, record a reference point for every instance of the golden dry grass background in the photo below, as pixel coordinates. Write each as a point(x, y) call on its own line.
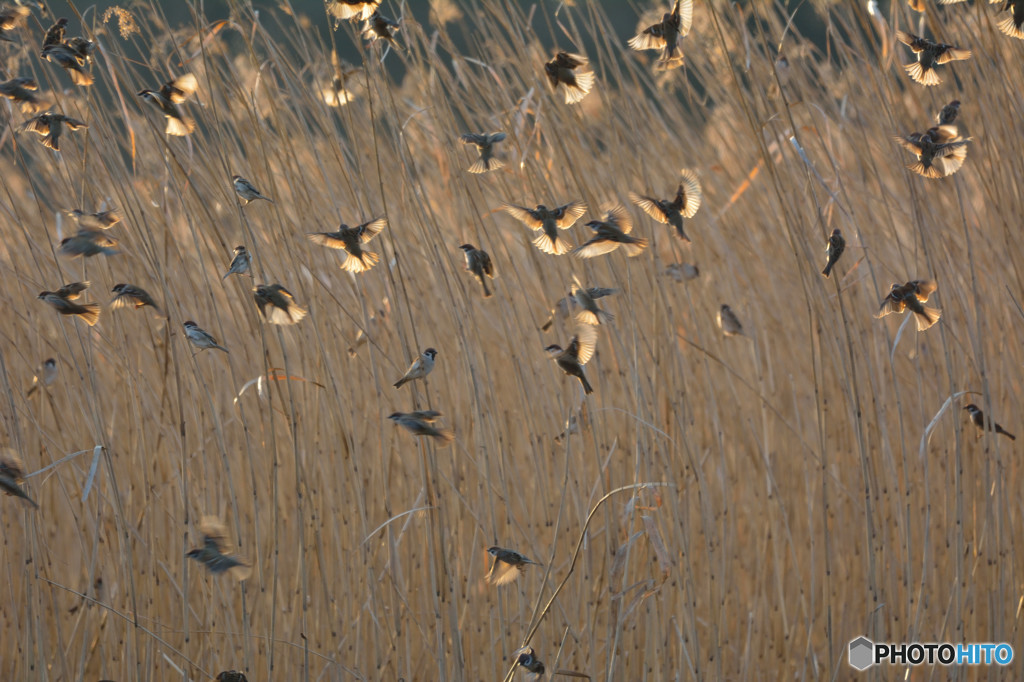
point(814, 483)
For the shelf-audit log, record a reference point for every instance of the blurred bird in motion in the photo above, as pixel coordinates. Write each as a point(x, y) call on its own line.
point(682, 271)
point(420, 423)
point(940, 151)
point(420, 367)
point(380, 27)
point(23, 91)
point(247, 191)
point(51, 126)
point(562, 307)
point(277, 305)
point(589, 312)
point(507, 565)
point(672, 212)
point(833, 250)
point(241, 263)
point(62, 302)
point(12, 477)
point(548, 221)
point(353, 10)
point(911, 295)
point(666, 35)
point(948, 113)
point(44, 376)
point(485, 145)
point(978, 417)
point(88, 243)
point(728, 322)
point(579, 351)
point(66, 57)
point(213, 554)
point(1012, 25)
point(337, 94)
point(103, 220)
point(55, 34)
point(129, 295)
point(611, 232)
point(10, 17)
point(168, 100)
point(929, 55)
point(351, 240)
point(562, 70)
point(200, 338)
point(479, 264)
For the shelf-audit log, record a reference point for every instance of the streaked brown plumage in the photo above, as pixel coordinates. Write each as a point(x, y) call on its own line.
point(611, 232)
point(277, 305)
point(548, 221)
point(485, 145)
point(351, 239)
point(929, 55)
point(213, 553)
point(89, 312)
point(940, 151)
point(911, 295)
point(51, 126)
point(578, 353)
point(420, 423)
point(666, 35)
point(479, 264)
point(564, 70)
point(671, 212)
point(12, 476)
point(168, 100)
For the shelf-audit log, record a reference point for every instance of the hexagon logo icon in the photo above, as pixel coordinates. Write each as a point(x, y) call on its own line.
point(862, 653)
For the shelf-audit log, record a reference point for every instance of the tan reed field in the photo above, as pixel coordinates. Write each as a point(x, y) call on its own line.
point(729, 508)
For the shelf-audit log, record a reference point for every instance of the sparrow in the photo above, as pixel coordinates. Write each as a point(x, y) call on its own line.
point(507, 565)
point(72, 291)
point(682, 271)
point(911, 295)
point(562, 70)
point(213, 553)
point(548, 221)
point(666, 35)
point(589, 312)
point(1012, 25)
point(246, 190)
point(241, 264)
point(277, 305)
point(561, 308)
point(485, 145)
point(64, 56)
point(55, 34)
point(948, 114)
point(684, 205)
point(22, 90)
point(940, 151)
point(231, 676)
point(833, 250)
point(580, 350)
point(351, 239)
point(83, 49)
point(479, 264)
point(88, 243)
point(728, 322)
point(89, 312)
point(420, 367)
point(200, 338)
point(44, 376)
point(528, 659)
point(929, 55)
point(168, 99)
point(12, 475)
point(103, 220)
point(126, 295)
point(420, 424)
point(611, 232)
point(380, 27)
point(978, 417)
point(353, 10)
point(51, 127)
point(10, 17)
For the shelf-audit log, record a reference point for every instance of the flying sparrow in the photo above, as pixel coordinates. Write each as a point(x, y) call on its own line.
point(10, 17)
point(728, 322)
point(277, 304)
point(83, 49)
point(168, 100)
point(911, 295)
point(420, 367)
point(51, 127)
point(929, 55)
point(563, 70)
point(351, 239)
point(589, 312)
point(948, 114)
point(563, 305)
point(940, 151)
point(580, 350)
point(549, 221)
point(12, 475)
point(72, 291)
point(200, 338)
point(55, 34)
point(978, 417)
point(246, 190)
point(89, 312)
point(353, 10)
point(1013, 25)
point(103, 220)
point(684, 205)
point(64, 56)
point(22, 90)
point(88, 243)
point(666, 35)
point(44, 376)
point(611, 232)
point(479, 264)
point(213, 553)
point(682, 271)
point(485, 145)
point(380, 27)
point(420, 423)
point(126, 295)
point(507, 565)
point(241, 264)
point(833, 250)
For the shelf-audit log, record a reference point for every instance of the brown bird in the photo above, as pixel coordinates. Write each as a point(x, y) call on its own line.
point(485, 145)
point(666, 35)
point(10, 17)
point(68, 59)
point(103, 220)
point(420, 423)
point(562, 307)
point(214, 551)
point(611, 232)
point(351, 239)
point(62, 303)
point(55, 34)
point(562, 70)
point(589, 312)
point(578, 353)
point(728, 322)
point(478, 262)
point(833, 250)
point(277, 305)
point(168, 100)
point(929, 55)
point(241, 263)
point(978, 417)
point(83, 49)
point(353, 10)
point(12, 477)
point(88, 243)
point(380, 27)
point(22, 90)
point(548, 221)
point(126, 295)
point(1012, 25)
point(507, 565)
point(72, 291)
point(684, 205)
point(940, 151)
point(51, 127)
point(911, 295)
point(948, 114)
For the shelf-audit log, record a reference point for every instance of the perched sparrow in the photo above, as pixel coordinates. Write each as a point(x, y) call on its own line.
point(1012, 25)
point(589, 312)
point(580, 350)
point(528, 659)
point(45, 376)
point(420, 367)
point(479, 264)
point(277, 305)
point(104, 220)
point(130, 295)
point(948, 114)
point(562, 70)
point(684, 205)
point(200, 338)
point(213, 554)
point(168, 98)
point(507, 565)
point(940, 151)
point(22, 90)
point(55, 34)
point(682, 271)
point(380, 27)
point(911, 295)
point(51, 127)
point(88, 243)
point(351, 239)
point(64, 56)
point(549, 221)
point(12, 474)
point(245, 189)
point(929, 55)
point(231, 676)
point(10, 17)
point(420, 424)
point(241, 264)
point(666, 35)
point(353, 10)
point(728, 322)
point(610, 233)
point(89, 312)
point(978, 417)
point(485, 144)
point(833, 250)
